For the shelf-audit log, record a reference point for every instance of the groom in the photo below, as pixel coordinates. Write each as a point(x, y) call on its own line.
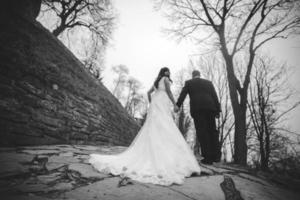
point(204, 107)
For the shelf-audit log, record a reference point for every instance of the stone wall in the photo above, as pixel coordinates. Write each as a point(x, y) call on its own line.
point(48, 97)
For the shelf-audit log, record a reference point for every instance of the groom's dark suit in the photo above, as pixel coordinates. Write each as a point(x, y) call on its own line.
point(204, 106)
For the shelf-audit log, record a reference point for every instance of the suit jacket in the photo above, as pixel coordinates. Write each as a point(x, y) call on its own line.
point(202, 95)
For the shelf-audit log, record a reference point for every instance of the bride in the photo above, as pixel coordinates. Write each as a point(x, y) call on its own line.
point(159, 154)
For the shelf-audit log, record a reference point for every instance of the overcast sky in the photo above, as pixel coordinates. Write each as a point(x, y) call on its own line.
point(140, 45)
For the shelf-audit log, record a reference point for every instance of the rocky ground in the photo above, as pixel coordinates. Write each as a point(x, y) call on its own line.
point(62, 172)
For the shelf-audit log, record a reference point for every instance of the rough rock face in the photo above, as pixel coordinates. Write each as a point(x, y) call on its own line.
point(47, 96)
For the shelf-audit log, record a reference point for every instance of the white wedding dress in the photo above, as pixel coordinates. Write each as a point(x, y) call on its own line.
point(159, 153)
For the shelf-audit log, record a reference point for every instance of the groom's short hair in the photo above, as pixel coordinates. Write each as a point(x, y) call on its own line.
point(196, 73)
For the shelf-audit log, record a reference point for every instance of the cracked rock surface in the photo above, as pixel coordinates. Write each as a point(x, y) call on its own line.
point(63, 172)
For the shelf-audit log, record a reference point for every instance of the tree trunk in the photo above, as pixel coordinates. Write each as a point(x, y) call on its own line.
point(263, 158)
point(240, 145)
point(267, 149)
point(62, 26)
point(239, 111)
point(263, 163)
point(58, 31)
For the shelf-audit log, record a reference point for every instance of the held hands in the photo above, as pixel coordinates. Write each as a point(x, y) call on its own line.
point(176, 108)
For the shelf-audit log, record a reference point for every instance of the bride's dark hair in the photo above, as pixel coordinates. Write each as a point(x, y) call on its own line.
point(162, 74)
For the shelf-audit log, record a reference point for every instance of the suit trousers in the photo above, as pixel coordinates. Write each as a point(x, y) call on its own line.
point(207, 135)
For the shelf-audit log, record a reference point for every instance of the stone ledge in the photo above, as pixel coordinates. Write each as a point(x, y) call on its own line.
point(63, 172)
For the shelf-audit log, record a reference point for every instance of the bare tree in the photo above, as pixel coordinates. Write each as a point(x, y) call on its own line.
point(134, 98)
point(120, 81)
point(84, 26)
point(127, 90)
point(184, 122)
point(183, 117)
point(93, 59)
point(95, 15)
point(235, 26)
point(268, 94)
